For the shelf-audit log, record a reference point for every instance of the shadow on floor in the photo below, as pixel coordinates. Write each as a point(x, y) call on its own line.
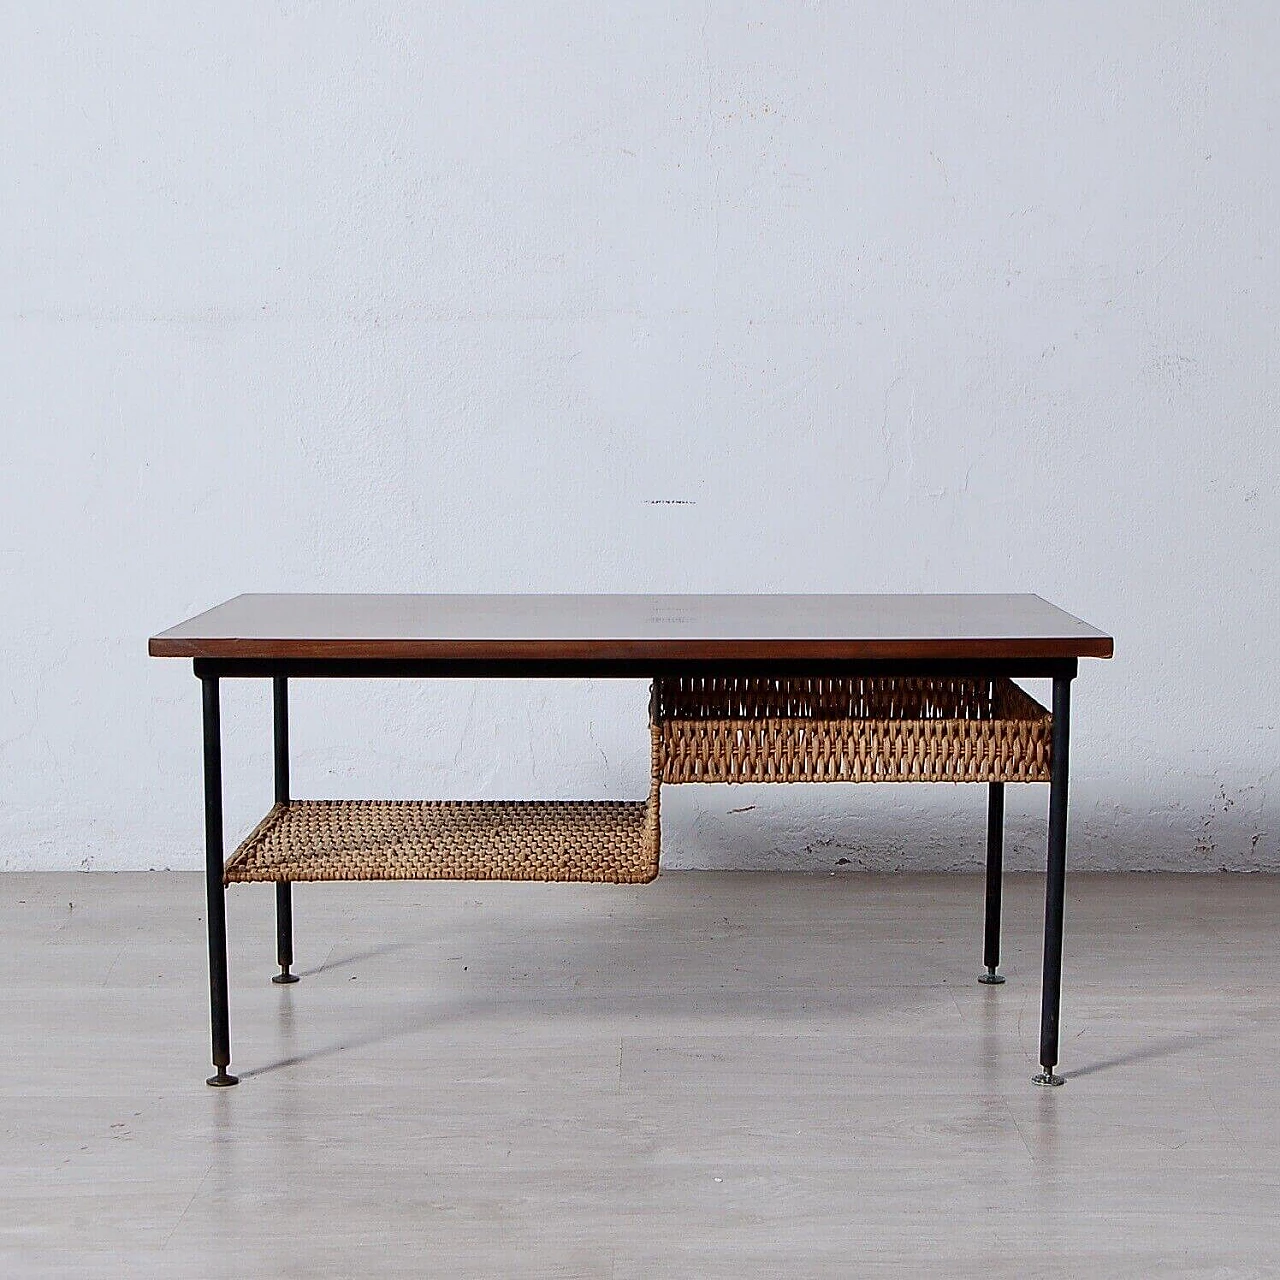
point(1169, 1047)
point(342, 961)
point(830, 949)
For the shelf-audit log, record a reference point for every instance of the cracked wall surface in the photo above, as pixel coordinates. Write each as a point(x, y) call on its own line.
point(625, 297)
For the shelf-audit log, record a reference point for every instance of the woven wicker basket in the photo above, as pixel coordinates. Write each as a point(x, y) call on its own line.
point(701, 730)
point(858, 729)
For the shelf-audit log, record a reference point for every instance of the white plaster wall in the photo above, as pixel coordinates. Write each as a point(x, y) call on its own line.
point(519, 296)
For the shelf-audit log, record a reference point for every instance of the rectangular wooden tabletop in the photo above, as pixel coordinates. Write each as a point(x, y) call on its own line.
point(635, 628)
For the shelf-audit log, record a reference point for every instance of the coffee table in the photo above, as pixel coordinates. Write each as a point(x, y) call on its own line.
point(776, 688)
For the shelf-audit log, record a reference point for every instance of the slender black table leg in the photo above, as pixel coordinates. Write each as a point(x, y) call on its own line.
point(215, 894)
point(1055, 884)
point(995, 872)
point(284, 890)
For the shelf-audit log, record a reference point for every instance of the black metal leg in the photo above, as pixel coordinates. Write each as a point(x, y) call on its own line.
point(284, 933)
point(284, 890)
point(1055, 884)
point(995, 872)
point(215, 899)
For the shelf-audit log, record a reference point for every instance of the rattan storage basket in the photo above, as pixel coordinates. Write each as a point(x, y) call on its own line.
point(855, 729)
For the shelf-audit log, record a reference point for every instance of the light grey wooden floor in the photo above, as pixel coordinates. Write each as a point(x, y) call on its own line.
point(717, 1075)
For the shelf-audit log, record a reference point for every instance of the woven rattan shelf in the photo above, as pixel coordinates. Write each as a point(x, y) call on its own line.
point(860, 729)
point(703, 729)
point(611, 841)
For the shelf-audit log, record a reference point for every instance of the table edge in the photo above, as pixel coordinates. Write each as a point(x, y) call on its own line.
point(569, 651)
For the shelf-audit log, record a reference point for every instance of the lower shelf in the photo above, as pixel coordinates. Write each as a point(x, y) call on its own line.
point(613, 841)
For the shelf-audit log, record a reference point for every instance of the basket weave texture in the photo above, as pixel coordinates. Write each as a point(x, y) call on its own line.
point(450, 840)
point(702, 729)
point(609, 841)
point(859, 729)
